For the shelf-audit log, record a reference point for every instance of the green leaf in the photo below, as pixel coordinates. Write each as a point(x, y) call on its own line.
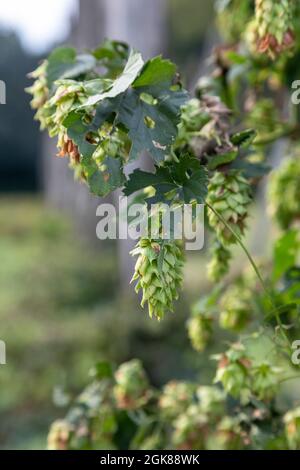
point(122, 83)
point(63, 62)
point(102, 370)
point(150, 113)
point(195, 188)
point(244, 139)
point(77, 131)
point(111, 50)
point(221, 159)
point(136, 114)
point(140, 179)
point(156, 71)
point(286, 251)
point(251, 169)
point(113, 55)
point(236, 58)
point(103, 182)
point(187, 179)
point(98, 85)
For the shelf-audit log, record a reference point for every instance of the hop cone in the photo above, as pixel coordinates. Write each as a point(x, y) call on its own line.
point(152, 442)
point(232, 18)
point(132, 387)
point(284, 193)
point(218, 266)
point(274, 26)
point(212, 400)
point(40, 93)
point(200, 330)
point(235, 308)
point(234, 372)
point(175, 398)
point(292, 428)
point(263, 115)
point(229, 195)
point(190, 429)
point(159, 274)
point(59, 435)
point(265, 381)
point(228, 434)
point(68, 96)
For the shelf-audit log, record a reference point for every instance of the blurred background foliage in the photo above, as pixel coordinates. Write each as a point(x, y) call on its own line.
point(61, 312)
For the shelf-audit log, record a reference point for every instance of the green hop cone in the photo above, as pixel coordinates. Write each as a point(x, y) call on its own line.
point(200, 328)
point(292, 428)
point(153, 442)
point(228, 435)
point(265, 381)
point(175, 398)
point(232, 18)
point(59, 435)
point(159, 274)
point(235, 308)
point(190, 429)
point(263, 115)
point(211, 400)
point(274, 26)
point(229, 195)
point(234, 372)
point(40, 93)
point(192, 120)
point(68, 96)
point(132, 387)
point(218, 266)
point(284, 193)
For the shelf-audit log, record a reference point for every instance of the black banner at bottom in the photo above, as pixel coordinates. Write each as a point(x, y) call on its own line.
point(135, 459)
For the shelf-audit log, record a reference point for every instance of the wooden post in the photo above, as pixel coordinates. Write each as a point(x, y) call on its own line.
point(61, 191)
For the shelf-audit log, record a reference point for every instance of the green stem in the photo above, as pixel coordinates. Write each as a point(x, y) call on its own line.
point(292, 377)
point(259, 276)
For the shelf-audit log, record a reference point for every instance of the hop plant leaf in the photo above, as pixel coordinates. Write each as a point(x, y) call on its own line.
point(128, 108)
point(186, 180)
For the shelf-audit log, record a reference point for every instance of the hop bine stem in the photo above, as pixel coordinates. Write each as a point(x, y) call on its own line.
point(259, 276)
